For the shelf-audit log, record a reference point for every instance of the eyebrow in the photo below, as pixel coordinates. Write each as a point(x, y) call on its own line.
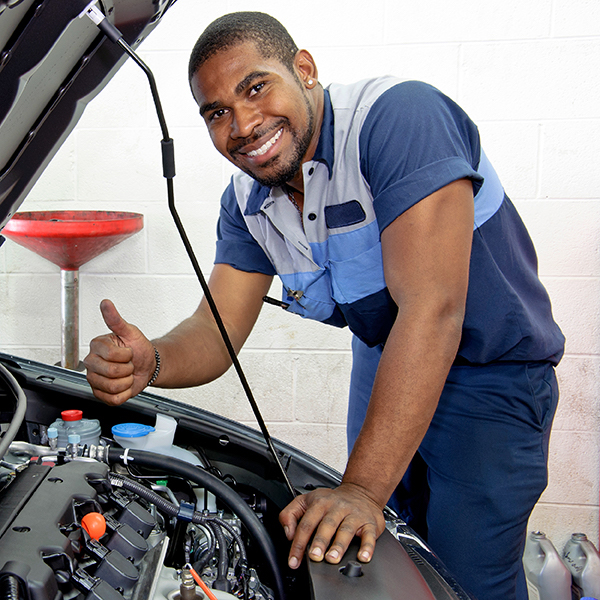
point(244, 83)
point(239, 88)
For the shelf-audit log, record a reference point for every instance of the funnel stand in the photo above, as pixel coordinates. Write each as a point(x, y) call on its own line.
point(69, 313)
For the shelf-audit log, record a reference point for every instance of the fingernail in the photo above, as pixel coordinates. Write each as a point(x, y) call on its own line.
point(365, 556)
point(293, 562)
point(287, 531)
point(333, 554)
point(316, 552)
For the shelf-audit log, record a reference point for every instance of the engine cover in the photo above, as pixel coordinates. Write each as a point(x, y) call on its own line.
point(36, 512)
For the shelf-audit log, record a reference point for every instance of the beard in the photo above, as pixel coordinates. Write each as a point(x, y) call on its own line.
point(283, 170)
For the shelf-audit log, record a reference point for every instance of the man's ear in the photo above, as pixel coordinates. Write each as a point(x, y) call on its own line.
point(306, 68)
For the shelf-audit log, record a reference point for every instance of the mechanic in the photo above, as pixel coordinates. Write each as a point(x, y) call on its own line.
point(377, 208)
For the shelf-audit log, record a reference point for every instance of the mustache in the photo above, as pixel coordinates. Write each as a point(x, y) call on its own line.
point(258, 134)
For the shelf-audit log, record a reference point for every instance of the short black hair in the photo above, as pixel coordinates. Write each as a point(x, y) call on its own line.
point(270, 37)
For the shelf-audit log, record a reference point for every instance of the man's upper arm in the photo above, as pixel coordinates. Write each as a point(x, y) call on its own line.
point(426, 250)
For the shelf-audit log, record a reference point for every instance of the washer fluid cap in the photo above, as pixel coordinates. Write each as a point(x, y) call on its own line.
point(71, 415)
point(132, 430)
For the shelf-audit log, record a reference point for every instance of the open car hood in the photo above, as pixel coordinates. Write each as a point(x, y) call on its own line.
point(52, 63)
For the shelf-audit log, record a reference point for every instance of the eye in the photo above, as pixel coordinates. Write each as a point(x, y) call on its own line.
point(256, 88)
point(217, 114)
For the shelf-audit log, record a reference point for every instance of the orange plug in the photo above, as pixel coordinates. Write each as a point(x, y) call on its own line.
point(95, 524)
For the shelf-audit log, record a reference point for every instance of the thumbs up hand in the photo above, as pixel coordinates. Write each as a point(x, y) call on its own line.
point(119, 364)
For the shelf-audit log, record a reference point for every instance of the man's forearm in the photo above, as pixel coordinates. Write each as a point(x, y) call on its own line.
point(191, 354)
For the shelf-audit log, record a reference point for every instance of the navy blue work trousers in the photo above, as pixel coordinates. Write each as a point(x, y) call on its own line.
point(479, 470)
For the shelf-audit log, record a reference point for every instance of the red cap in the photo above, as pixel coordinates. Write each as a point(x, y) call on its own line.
point(95, 524)
point(71, 415)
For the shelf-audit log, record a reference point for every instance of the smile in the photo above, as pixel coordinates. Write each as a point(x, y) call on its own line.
point(266, 146)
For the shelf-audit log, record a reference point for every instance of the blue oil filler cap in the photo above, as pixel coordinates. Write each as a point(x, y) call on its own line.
point(132, 430)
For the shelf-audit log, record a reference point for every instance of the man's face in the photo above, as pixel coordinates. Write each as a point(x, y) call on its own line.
point(259, 115)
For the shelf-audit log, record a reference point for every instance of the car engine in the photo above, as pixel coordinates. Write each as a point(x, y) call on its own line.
point(83, 517)
point(71, 526)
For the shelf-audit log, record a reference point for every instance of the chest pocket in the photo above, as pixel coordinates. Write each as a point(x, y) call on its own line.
point(344, 215)
point(355, 263)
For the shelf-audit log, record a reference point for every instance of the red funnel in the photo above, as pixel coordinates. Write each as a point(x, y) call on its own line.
point(70, 238)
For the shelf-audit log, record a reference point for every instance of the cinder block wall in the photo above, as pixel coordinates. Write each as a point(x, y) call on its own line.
point(526, 72)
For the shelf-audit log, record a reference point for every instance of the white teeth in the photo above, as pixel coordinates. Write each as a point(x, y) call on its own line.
point(260, 151)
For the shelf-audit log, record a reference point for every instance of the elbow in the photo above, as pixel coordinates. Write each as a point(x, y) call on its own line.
point(450, 312)
point(450, 320)
point(437, 322)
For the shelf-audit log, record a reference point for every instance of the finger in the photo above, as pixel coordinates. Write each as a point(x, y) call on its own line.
point(111, 391)
point(345, 534)
point(110, 386)
point(112, 399)
point(367, 546)
point(334, 521)
point(115, 366)
point(114, 320)
point(291, 514)
point(304, 531)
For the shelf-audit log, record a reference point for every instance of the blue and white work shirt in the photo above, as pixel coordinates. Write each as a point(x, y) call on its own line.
point(384, 146)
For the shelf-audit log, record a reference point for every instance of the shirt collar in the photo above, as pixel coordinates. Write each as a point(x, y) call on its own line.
point(325, 153)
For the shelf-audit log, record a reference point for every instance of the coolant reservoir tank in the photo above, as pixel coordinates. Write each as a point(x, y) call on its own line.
point(158, 439)
point(72, 422)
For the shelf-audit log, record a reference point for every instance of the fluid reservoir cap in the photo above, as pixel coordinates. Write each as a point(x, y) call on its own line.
point(71, 415)
point(132, 430)
point(95, 524)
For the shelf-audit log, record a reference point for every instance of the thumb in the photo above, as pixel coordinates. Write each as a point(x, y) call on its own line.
point(115, 322)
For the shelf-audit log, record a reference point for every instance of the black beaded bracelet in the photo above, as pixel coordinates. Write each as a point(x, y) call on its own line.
point(157, 370)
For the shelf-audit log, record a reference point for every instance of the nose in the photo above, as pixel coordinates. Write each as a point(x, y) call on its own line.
point(245, 120)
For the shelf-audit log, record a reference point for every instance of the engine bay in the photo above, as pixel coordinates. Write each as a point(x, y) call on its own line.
point(86, 514)
point(74, 525)
point(95, 520)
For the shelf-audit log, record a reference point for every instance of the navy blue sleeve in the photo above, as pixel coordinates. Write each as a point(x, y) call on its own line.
point(413, 142)
point(235, 244)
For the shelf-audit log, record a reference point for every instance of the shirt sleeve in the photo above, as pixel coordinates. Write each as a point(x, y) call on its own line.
point(235, 244)
point(414, 141)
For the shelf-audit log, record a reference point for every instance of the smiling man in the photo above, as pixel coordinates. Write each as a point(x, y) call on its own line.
point(378, 210)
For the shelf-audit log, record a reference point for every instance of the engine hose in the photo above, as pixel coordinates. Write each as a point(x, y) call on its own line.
point(172, 510)
point(10, 588)
point(20, 410)
point(202, 559)
point(221, 490)
point(200, 519)
point(223, 562)
point(141, 490)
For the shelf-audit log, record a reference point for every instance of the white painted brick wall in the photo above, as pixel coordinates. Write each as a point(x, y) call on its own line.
point(525, 71)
